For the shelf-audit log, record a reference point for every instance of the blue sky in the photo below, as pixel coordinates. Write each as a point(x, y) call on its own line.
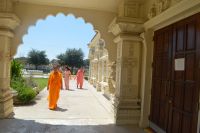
point(55, 34)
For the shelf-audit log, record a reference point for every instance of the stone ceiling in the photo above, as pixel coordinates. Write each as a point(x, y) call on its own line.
point(103, 5)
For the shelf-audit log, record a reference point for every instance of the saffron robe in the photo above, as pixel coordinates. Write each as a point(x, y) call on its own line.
point(80, 77)
point(54, 85)
point(67, 78)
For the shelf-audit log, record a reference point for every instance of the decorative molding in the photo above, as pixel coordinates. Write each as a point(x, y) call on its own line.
point(158, 7)
point(9, 21)
point(181, 10)
point(6, 5)
point(122, 25)
point(8, 33)
point(130, 8)
point(123, 37)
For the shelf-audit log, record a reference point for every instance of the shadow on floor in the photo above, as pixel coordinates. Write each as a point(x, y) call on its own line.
point(82, 89)
point(25, 104)
point(60, 109)
point(36, 126)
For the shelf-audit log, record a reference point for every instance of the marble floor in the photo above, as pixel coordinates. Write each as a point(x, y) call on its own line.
point(79, 111)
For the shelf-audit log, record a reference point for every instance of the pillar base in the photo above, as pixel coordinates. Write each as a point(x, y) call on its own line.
point(127, 111)
point(6, 106)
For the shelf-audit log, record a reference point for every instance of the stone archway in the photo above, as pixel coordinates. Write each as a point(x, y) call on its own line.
point(37, 12)
point(10, 42)
point(125, 28)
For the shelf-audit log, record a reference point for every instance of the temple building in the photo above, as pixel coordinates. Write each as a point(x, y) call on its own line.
point(144, 57)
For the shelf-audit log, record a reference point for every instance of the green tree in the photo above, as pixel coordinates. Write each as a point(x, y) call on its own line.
point(61, 59)
point(37, 58)
point(72, 57)
point(86, 63)
point(22, 60)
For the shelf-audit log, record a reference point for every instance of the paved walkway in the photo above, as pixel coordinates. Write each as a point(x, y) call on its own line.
point(79, 111)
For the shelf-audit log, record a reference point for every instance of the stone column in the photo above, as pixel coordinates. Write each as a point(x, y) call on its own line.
point(127, 95)
point(112, 77)
point(90, 71)
point(99, 75)
point(103, 70)
point(95, 72)
point(127, 28)
point(8, 22)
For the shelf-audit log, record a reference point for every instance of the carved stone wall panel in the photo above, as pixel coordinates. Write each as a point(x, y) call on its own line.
point(129, 62)
point(130, 8)
point(160, 6)
point(174, 2)
point(130, 91)
point(6, 6)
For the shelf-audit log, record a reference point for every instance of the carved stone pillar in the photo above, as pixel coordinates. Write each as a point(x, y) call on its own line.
point(127, 95)
point(90, 72)
point(95, 72)
point(112, 77)
point(127, 28)
point(99, 76)
point(8, 23)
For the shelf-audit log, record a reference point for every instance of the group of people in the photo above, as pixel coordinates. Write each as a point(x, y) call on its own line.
point(55, 83)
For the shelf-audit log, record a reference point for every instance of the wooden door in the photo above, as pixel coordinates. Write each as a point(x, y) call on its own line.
point(175, 90)
point(185, 81)
point(161, 77)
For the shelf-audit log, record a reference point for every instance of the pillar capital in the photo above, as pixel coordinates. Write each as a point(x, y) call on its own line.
point(123, 25)
point(8, 21)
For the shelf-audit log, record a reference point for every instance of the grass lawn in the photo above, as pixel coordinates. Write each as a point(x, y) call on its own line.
point(42, 82)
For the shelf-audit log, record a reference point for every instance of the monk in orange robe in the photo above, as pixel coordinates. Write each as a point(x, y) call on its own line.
point(80, 77)
point(54, 86)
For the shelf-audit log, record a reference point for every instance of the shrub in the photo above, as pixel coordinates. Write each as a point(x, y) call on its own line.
point(22, 86)
point(17, 83)
point(26, 95)
point(16, 69)
point(25, 92)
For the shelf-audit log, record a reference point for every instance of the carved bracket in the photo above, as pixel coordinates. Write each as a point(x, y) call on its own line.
point(122, 25)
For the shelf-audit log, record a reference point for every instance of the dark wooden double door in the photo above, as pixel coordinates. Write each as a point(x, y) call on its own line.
point(176, 76)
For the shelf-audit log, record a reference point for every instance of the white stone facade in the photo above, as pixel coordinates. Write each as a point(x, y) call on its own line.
point(98, 57)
